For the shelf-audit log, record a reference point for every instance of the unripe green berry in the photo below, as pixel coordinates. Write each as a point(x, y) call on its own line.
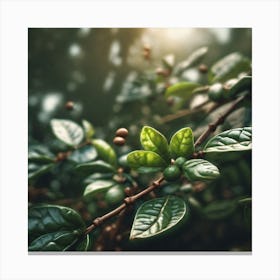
point(216, 92)
point(180, 161)
point(114, 195)
point(172, 173)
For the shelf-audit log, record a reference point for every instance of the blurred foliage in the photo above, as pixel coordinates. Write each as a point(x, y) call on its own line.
point(103, 79)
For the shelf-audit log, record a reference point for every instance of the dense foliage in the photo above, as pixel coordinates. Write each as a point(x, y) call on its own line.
point(188, 188)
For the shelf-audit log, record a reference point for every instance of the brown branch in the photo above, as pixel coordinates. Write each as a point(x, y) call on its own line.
point(127, 201)
point(213, 126)
point(183, 113)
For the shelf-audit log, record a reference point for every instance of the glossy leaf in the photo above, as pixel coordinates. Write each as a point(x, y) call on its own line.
point(85, 244)
point(140, 159)
point(182, 143)
point(83, 154)
point(245, 83)
point(40, 154)
point(157, 216)
point(237, 139)
point(219, 209)
point(37, 169)
point(96, 187)
point(229, 67)
point(153, 140)
point(67, 131)
point(98, 166)
point(88, 129)
point(200, 170)
point(105, 151)
point(53, 228)
point(193, 59)
point(184, 90)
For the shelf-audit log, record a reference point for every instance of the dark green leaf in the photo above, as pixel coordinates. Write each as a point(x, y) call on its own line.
point(182, 143)
point(67, 131)
point(40, 154)
point(245, 83)
point(105, 151)
point(237, 139)
point(140, 158)
point(37, 169)
point(88, 129)
point(83, 154)
point(85, 244)
point(157, 216)
point(98, 166)
point(229, 67)
point(219, 209)
point(97, 187)
point(193, 59)
point(200, 170)
point(53, 228)
point(184, 90)
point(153, 140)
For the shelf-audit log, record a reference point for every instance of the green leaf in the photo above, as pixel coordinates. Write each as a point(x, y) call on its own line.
point(53, 228)
point(83, 154)
point(85, 244)
point(37, 169)
point(194, 58)
point(245, 83)
point(98, 166)
point(219, 209)
point(67, 131)
point(169, 61)
point(237, 139)
point(105, 151)
point(200, 170)
point(229, 67)
point(140, 158)
point(97, 187)
point(153, 140)
point(182, 143)
point(157, 216)
point(40, 154)
point(184, 90)
point(88, 129)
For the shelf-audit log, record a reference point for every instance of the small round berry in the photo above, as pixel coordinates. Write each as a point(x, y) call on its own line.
point(119, 141)
point(203, 68)
point(122, 132)
point(172, 173)
point(180, 161)
point(69, 105)
point(114, 195)
point(216, 91)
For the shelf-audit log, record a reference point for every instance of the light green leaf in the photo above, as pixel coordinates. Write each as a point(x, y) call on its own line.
point(182, 143)
point(157, 216)
point(237, 139)
point(200, 170)
point(98, 166)
point(97, 187)
point(219, 209)
point(105, 151)
point(67, 131)
point(36, 169)
point(193, 59)
point(184, 90)
point(140, 158)
point(83, 154)
point(88, 129)
point(153, 140)
point(229, 67)
point(53, 228)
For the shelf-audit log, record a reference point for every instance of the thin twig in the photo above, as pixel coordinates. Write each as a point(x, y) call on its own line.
point(212, 127)
point(127, 201)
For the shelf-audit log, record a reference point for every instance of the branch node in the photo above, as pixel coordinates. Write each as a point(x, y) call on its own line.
point(156, 184)
point(128, 200)
point(96, 222)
